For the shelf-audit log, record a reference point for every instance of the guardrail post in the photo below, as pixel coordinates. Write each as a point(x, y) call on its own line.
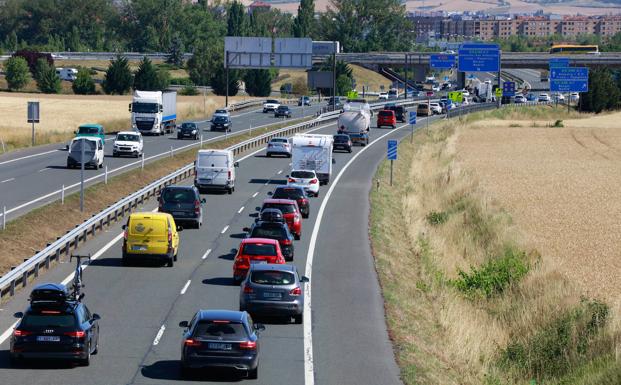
point(12, 288)
point(171, 151)
point(3, 217)
point(142, 161)
point(106, 175)
point(201, 140)
point(62, 195)
point(25, 278)
point(36, 270)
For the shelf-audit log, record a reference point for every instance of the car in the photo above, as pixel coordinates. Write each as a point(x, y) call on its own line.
point(449, 52)
point(574, 97)
point(519, 99)
point(339, 100)
point(296, 193)
point(221, 338)
point(54, 326)
point(184, 203)
point(128, 143)
point(221, 112)
point(277, 230)
point(543, 97)
point(464, 92)
point(221, 123)
point(435, 108)
point(386, 118)
point(270, 105)
point(278, 146)
point(423, 110)
point(304, 101)
point(383, 96)
point(215, 169)
point(93, 146)
point(306, 179)
point(531, 97)
point(283, 111)
point(290, 211)
point(435, 87)
point(150, 235)
point(188, 130)
point(91, 130)
point(399, 111)
point(273, 290)
point(446, 86)
point(559, 97)
point(255, 250)
point(342, 142)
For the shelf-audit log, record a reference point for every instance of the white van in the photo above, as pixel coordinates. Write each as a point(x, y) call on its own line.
point(93, 152)
point(69, 74)
point(215, 169)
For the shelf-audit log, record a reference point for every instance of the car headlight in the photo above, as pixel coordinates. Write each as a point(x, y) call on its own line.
point(194, 131)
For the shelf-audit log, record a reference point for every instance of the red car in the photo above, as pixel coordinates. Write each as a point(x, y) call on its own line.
point(255, 250)
point(290, 211)
point(386, 118)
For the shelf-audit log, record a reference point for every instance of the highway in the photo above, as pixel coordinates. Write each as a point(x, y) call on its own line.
point(33, 173)
point(141, 306)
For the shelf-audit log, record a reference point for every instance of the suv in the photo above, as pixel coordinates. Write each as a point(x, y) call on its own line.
point(295, 193)
point(188, 130)
point(278, 146)
point(184, 203)
point(56, 326)
point(399, 111)
point(128, 143)
point(284, 111)
point(386, 118)
point(270, 105)
point(423, 110)
point(221, 123)
point(277, 230)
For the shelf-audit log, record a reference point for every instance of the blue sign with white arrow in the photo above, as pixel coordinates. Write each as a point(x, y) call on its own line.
point(441, 61)
point(479, 58)
point(508, 89)
point(569, 79)
point(392, 149)
point(412, 119)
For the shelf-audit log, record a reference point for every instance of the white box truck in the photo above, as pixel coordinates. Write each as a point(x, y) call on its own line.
point(313, 152)
point(154, 112)
point(215, 169)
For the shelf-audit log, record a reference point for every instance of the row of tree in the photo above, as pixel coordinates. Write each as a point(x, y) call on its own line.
point(604, 91)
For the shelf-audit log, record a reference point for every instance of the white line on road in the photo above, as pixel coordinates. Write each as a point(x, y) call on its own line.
point(7, 180)
point(43, 169)
point(187, 284)
point(7, 333)
point(224, 229)
point(159, 335)
point(26, 157)
point(206, 254)
point(240, 210)
point(279, 172)
point(255, 194)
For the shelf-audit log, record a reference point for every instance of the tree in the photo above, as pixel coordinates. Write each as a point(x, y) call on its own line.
point(237, 25)
point(118, 79)
point(258, 82)
point(203, 63)
point(148, 78)
point(300, 87)
point(218, 81)
point(304, 22)
point(48, 81)
point(343, 85)
point(175, 56)
point(83, 83)
point(343, 70)
point(603, 92)
point(17, 73)
point(32, 57)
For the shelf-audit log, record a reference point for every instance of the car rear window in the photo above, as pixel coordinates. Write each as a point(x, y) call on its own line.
point(178, 195)
point(283, 207)
point(189, 126)
point(272, 277)
point(225, 331)
point(385, 114)
point(148, 226)
point(259, 249)
point(279, 141)
point(48, 320)
point(288, 193)
point(303, 174)
point(88, 130)
point(268, 232)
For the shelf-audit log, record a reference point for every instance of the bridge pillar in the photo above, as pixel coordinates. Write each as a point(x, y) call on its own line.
point(461, 80)
point(420, 72)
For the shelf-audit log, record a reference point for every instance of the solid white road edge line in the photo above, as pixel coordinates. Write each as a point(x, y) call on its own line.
point(159, 335)
point(187, 284)
point(27, 157)
point(7, 333)
point(255, 194)
point(309, 369)
point(7, 180)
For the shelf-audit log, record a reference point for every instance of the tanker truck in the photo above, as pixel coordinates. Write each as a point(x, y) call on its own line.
point(355, 121)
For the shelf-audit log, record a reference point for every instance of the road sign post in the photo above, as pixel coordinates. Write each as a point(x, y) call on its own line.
point(412, 121)
point(82, 175)
point(392, 154)
point(429, 95)
point(33, 117)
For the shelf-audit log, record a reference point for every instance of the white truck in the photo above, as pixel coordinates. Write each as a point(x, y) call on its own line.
point(485, 91)
point(313, 152)
point(355, 121)
point(154, 112)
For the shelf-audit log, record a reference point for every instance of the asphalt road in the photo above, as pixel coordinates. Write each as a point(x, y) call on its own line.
point(533, 77)
point(141, 306)
point(33, 173)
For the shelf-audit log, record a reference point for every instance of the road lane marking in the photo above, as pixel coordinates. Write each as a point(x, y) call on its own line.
point(255, 194)
point(240, 210)
point(309, 367)
point(187, 284)
point(7, 333)
point(43, 169)
point(206, 254)
point(279, 172)
point(224, 229)
point(7, 180)
point(159, 335)
point(27, 157)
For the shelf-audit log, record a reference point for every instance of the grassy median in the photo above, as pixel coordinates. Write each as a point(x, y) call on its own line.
point(467, 300)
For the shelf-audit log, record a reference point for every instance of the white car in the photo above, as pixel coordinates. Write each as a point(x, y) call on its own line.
point(519, 99)
point(128, 143)
point(383, 96)
point(278, 146)
point(574, 97)
point(544, 98)
point(464, 92)
point(270, 105)
point(436, 108)
point(559, 97)
point(307, 179)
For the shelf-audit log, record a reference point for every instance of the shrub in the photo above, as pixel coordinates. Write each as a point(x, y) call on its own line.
point(437, 218)
point(17, 73)
point(119, 77)
point(48, 81)
point(558, 123)
point(181, 81)
point(189, 90)
point(83, 84)
point(32, 57)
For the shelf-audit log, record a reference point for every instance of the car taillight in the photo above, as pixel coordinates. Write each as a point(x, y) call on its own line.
point(248, 289)
point(197, 207)
point(76, 334)
point(313, 181)
point(191, 342)
point(280, 260)
point(242, 263)
point(169, 236)
point(291, 180)
point(229, 175)
point(287, 242)
point(125, 234)
point(248, 345)
point(21, 333)
point(296, 291)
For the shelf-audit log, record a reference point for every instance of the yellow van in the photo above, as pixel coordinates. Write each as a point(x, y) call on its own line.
point(151, 235)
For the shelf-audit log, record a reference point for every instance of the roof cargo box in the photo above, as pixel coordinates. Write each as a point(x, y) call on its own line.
point(49, 293)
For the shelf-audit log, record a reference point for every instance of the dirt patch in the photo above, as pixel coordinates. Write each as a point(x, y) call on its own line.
point(562, 187)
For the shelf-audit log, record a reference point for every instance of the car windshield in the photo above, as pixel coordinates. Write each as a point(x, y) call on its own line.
point(220, 329)
point(188, 126)
point(271, 232)
point(145, 108)
point(341, 138)
point(127, 138)
point(178, 195)
point(283, 108)
point(272, 101)
point(88, 130)
point(272, 277)
point(288, 193)
point(220, 119)
point(259, 249)
point(48, 320)
point(303, 174)
point(283, 207)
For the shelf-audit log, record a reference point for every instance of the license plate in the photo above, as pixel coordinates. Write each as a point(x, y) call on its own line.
point(139, 247)
point(219, 346)
point(269, 294)
point(178, 213)
point(48, 338)
point(257, 262)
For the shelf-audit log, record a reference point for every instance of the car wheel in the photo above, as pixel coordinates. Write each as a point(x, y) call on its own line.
point(115, 155)
point(230, 190)
point(305, 215)
point(317, 194)
point(101, 165)
point(236, 281)
point(178, 137)
point(298, 318)
point(175, 258)
point(86, 361)
point(349, 150)
point(124, 261)
point(297, 237)
point(253, 374)
point(96, 350)
point(170, 262)
point(269, 155)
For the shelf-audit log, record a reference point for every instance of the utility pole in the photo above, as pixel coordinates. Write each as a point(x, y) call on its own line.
point(334, 76)
point(226, 65)
point(405, 95)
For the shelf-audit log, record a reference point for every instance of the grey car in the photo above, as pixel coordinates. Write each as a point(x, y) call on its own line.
point(278, 146)
point(184, 203)
point(273, 290)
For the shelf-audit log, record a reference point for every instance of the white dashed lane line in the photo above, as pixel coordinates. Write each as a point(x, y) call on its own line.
point(206, 254)
point(279, 172)
point(159, 335)
point(224, 229)
point(255, 194)
point(7, 180)
point(185, 287)
point(240, 210)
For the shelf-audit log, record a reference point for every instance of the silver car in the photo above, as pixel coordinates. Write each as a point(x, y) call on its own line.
point(278, 146)
point(273, 290)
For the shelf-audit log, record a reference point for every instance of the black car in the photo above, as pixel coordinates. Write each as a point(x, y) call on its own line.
point(221, 123)
point(399, 111)
point(295, 193)
point(55, 326)
point(221, 338)
point(304, 101)
point(342, 142)
point(184, 203)
point(274, 230)
point(282, 111)
point(188, 130)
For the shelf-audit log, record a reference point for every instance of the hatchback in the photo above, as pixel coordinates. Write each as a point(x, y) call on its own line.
point(221, 338)
point(307, 179)
point(184, 203)
point(188, 130)
point(255, 250)
point(284, 111)
point(221, 123)
point(278, 146)
point(386, 118)
point(304, 101)
point(273, 290)
point(295, 193)
point(342, 142)
point(278, 231)
point(290, 211)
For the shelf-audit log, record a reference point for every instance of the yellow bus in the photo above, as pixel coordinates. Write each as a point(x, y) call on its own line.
point(574, 49)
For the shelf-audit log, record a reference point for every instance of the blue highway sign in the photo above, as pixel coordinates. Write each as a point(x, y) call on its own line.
point(508, 89)
point(559, 62)
point(569, 79)
point(479, 58)
point(412, 119)
point(442, 61)
point(392, 149)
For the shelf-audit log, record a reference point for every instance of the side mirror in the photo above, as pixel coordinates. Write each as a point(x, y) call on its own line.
point(96, 317)
point(236, 164)
point(259, 327)
point(179, 228)
point(19, 314)
point(270, 193)
point(304, 279)
point(287, 176)
point(203, 200)
point(184, 324)
point(246, 229)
